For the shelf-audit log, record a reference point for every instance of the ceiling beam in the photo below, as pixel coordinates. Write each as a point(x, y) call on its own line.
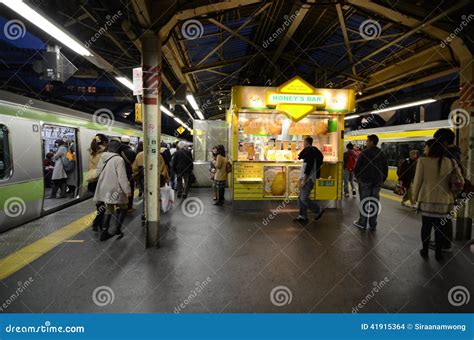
point(460, 49)
point(342, 23)
point(206, 67)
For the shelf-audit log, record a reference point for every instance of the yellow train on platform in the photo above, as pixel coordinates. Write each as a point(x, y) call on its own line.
point(397, 141)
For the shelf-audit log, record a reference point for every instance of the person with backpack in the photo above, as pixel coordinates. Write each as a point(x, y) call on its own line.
point(310, 171)
point(128, 156)
point(59, 176)
point(406, 173)
point(371, 171)
point(437, 181)
point(113, 188)
point(220, 177)
point(71, 175)
point(350, 158)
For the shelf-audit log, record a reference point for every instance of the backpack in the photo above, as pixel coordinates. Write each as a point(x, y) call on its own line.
point(351, 161)
point(228, 167)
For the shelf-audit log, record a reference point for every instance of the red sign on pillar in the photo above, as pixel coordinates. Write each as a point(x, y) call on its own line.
point(151, 84)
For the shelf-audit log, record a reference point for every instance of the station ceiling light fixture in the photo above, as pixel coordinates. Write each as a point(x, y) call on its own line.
point(195, 106)
point(125, 82)
point(169, 113)
point(402, 106)
point(47, 26)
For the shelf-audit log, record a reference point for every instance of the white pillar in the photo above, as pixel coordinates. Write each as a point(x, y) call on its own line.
point(151, 64)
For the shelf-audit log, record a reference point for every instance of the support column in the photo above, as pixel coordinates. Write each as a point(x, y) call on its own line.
point(466, 143)
point(151, 62)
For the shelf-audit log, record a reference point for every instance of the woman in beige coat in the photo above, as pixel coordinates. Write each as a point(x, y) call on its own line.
point(97, 148)
point(432, 192)
point(220, 177)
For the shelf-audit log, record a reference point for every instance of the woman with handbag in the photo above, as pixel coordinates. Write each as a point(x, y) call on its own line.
point(437, 181)
point(97, 148)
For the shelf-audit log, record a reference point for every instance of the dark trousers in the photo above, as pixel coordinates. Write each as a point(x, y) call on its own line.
point(305, 202)
point(99, 218)
point(59, 184)
point(183, 184)
point(427, 223)
point(369, 206)
point(448, 234)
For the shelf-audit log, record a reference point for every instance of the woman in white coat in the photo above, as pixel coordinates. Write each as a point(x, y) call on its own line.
point(113, 188)
point(59, 176)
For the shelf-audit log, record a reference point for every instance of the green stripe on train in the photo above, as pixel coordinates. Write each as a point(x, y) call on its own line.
point(27, 191)
point(30, 113)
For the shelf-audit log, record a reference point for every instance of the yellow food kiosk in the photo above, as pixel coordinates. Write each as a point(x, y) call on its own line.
point(267, 129)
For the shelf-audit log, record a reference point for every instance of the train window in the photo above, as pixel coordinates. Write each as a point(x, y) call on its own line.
point(5, 157)
point(390, 150)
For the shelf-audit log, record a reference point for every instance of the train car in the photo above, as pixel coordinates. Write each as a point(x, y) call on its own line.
point(28, 129)
point(397, 141)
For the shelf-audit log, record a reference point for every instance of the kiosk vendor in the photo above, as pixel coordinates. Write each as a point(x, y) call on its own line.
point(268, 126)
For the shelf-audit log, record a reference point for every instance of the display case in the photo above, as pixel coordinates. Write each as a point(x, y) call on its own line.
point(268, 127)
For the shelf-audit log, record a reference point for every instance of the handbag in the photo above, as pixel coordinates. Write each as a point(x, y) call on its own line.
point(399, 190)
point(456, 180)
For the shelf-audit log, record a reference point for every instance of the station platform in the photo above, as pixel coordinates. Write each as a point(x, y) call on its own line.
point(228, 261)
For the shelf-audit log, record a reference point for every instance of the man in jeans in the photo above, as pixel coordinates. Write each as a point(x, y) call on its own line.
point(183, 167)
point(350, 158)
point(310, 171)
point(371, 171)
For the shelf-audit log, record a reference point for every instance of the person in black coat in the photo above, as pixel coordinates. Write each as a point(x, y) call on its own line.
point(182, 166)
point(128, 156)
point(371, 171)
point(406, 174)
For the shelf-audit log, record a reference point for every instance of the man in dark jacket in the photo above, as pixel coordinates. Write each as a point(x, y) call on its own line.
point(183, 167)
point(310, 171)
point(128, 156)
point(371, 171)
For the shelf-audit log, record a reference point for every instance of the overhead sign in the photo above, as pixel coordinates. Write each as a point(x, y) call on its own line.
point(138, 113)
point(137, 81)
point(296, 98)
point(180, 130)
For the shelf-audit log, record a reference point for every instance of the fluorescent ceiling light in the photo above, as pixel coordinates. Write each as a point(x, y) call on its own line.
point(165, 110)
point(351, 117)
point(195, 106)
point(187, 111)
point(420, 102)
point(125, 82)
point(47, 26)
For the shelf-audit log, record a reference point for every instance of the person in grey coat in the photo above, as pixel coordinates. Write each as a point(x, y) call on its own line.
point(113, 188)
point(59, 176)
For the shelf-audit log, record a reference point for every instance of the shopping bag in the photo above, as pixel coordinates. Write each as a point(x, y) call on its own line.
point(167, 198)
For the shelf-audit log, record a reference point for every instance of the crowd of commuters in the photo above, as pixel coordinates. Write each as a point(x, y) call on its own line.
point(60, 171)
point(431, 183)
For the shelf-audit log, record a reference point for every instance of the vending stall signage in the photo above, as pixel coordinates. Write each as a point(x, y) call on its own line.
point(267, 130)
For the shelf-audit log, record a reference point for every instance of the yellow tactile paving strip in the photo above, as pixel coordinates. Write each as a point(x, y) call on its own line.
point(23, 257)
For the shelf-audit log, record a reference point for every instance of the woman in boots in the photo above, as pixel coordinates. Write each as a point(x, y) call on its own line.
point(97, 148)
point(220, 176)
point(113, 188)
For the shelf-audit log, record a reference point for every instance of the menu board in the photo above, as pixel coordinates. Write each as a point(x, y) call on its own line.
point(309, 127)
point(274, 178)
